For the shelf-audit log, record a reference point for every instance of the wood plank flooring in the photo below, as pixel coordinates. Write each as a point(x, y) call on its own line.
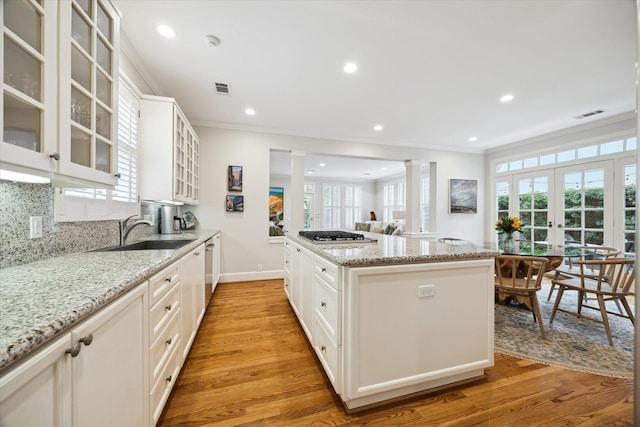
point(251, 365)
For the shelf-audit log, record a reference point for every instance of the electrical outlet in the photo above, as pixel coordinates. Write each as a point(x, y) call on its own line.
point(35, 227)
point(425, 291)
point(259, 267)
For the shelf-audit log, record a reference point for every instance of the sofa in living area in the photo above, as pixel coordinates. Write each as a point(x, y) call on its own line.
point(380, 227)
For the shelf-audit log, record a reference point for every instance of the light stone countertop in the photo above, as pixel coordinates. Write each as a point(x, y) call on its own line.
point(389, 250)
point(40, 300)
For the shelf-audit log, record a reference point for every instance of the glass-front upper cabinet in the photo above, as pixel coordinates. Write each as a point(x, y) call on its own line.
point(29, 84)
point(89, 39)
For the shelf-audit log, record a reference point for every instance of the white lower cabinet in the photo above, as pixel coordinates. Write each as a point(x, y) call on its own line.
point(301, 285)
point(192, 272)
point(82, 376)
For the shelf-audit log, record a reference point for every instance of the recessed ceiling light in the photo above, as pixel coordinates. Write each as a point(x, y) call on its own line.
point(384, 169)
point(377, 128)
point(166, 31)
point(507, 98)
point(310, 171)
point(350, 67)
point(322, 165)
point(473, 139)
point(250, 112)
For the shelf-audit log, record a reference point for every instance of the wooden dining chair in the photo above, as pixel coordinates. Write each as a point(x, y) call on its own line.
point(520, 276)
point(613, 282)
point(581, 253)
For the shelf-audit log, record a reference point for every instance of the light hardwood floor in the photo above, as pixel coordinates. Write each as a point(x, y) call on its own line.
point(251, 365)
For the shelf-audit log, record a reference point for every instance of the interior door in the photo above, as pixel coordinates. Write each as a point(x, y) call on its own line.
point(584, 204)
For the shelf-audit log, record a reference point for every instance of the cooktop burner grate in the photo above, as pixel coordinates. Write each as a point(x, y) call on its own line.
point(331, 236)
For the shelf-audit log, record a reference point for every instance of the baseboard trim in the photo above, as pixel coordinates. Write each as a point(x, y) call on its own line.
point(251, 276)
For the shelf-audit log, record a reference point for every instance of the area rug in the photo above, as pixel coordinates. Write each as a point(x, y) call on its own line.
point(571, 342)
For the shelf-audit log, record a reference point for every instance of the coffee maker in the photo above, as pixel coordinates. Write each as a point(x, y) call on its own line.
point(171, 221)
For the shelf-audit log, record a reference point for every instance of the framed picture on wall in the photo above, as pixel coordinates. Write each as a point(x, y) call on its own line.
point(235, 203)
point(234, 178)
point(276, 204)
point(463, 196)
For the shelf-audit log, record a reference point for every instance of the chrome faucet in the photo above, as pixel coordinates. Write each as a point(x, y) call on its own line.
point(126, 229)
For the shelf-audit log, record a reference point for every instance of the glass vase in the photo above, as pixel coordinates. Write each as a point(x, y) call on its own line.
point(509, 244)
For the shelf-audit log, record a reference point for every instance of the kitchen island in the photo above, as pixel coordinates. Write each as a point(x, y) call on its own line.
point(393, 317)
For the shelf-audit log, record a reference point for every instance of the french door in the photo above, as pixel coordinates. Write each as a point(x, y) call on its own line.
point(571, 205)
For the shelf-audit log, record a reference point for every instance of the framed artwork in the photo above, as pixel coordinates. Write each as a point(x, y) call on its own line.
point(276, 205)
point(234, 178)
point(235, 203)
point(463, 196)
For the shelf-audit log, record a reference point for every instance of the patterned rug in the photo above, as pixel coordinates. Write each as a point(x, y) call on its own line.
point(570, 342)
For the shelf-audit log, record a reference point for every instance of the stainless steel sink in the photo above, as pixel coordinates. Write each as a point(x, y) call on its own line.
point(146, 245)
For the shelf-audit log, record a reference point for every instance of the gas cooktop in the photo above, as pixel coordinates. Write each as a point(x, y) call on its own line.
point(332, 236)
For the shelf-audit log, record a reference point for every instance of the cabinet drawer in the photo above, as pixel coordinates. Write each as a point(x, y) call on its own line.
point(162, 313)
point(162, 388)
point(327, 308)
point(161, 282)
point(161, 350)
point(328, 271)
point(328, 353)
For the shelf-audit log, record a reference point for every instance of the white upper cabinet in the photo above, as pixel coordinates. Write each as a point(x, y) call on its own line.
point(60, 70)
point(169, 153)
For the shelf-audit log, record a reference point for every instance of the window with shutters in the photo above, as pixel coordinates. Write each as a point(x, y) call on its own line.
point(91, 204)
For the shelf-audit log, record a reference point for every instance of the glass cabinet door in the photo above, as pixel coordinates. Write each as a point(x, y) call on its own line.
point(88, 86)
point(28, 96)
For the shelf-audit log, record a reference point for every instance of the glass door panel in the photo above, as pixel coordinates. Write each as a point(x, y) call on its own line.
point(22, 124)
point(80, 108)
point(25, 21)
point(103, 156)
point(104, 57)
point(85, 5)
point(80, 147)
point(533, 207)
point(22, 71)
point(630, 209)
point(80, 68)
point(586, 203)
point(81, 31)
point(103, 88)
point(105, 23)
point(103, 122)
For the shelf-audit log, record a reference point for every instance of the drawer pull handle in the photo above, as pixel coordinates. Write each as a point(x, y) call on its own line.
point(168, 341)
point(298, 249)
point(323, 348)
point(197, 253)
point(168, 308)
point(324, 270)
point(75, 350)
point(323, 304)
point(88, 339)
point(169, 378)
point(168, 280)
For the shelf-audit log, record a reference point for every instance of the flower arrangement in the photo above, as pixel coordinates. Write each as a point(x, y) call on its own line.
point(508, 224)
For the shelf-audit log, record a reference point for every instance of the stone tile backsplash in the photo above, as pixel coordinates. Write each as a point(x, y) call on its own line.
point(19, 201)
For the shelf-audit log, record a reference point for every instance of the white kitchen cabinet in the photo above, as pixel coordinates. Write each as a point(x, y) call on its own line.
point(38, 392)
point(60, 89)
point(192, 277)
point(169, 152)
point(301, 283)
point(82, 376)
point(217, 251)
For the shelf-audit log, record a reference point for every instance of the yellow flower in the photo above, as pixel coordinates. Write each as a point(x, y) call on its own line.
point(508, 224)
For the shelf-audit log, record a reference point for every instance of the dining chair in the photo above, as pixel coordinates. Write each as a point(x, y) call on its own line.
point(581, 253)
point(612, 282)
point(520, 276)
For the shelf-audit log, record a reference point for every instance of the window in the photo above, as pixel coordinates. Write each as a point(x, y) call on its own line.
point(425, 223)
point(341, 206)
point(90, 204)
point(394, 200)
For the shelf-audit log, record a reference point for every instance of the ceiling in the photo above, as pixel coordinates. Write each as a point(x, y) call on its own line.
point(430, 72)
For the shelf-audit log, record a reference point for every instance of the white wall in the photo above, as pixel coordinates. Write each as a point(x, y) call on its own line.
point(245, 240)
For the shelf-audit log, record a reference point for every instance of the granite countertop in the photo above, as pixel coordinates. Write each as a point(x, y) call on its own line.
point(40, 300)
point(390, 250)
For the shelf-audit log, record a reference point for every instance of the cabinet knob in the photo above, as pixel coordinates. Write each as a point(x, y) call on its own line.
point(87, 339)
point(197, 253)
point(168, 280)
point(323, 304)
point(75, 350)
point(169, 378)
point(168, 308)
point(298, 249)
point(168, 341)
point(324, 270)
point(55, 156)
point(323, 348)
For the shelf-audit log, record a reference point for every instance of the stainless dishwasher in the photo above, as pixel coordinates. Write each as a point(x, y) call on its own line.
point(208, 276)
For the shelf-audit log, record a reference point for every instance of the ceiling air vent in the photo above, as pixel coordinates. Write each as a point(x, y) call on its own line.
point(589, 114)
point(223, 88)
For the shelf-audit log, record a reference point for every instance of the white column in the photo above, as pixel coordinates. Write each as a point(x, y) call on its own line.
point(297, 191)
point(412, 176)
